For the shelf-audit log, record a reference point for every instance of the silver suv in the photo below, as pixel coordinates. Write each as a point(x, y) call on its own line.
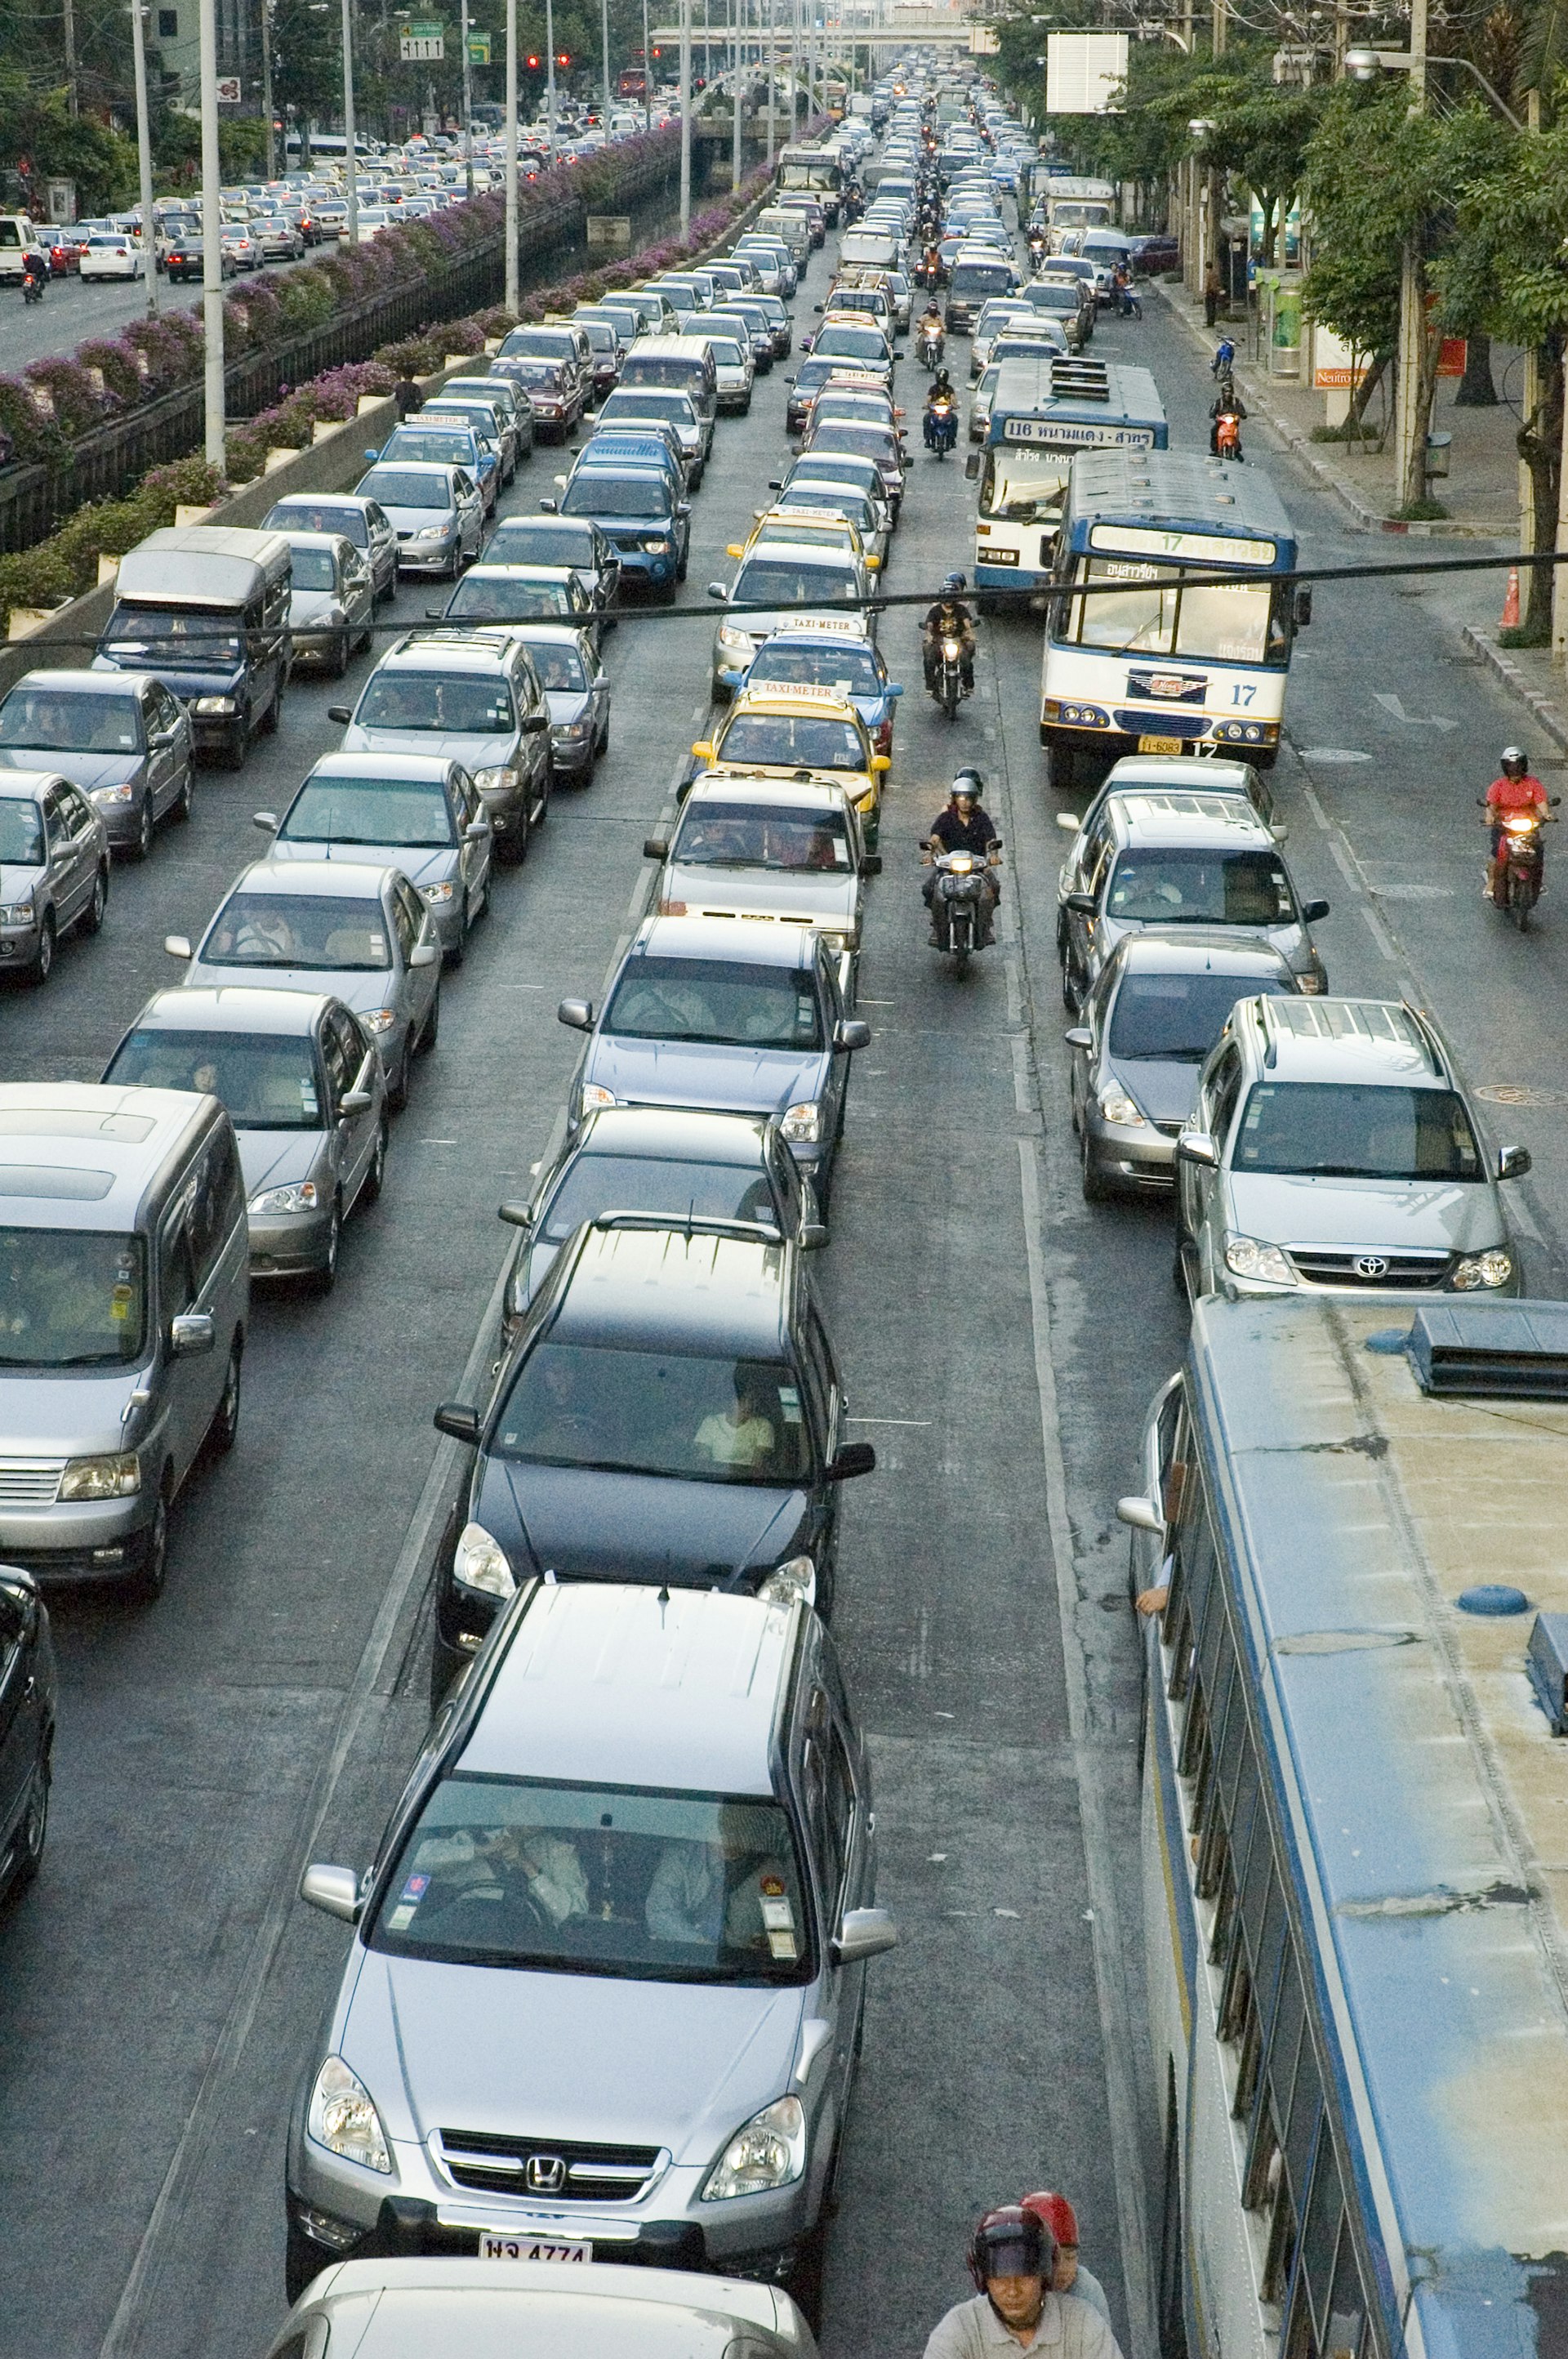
point(1332, 1146)
point(605, 1992)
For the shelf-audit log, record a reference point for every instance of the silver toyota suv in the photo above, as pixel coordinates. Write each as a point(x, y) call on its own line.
point(605, 1992)
point(1332, 1146)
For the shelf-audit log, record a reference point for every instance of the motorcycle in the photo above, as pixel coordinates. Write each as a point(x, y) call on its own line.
point(1519, 866)
point(1223, 360)
point(941, 428)
point(930, 348)
point(962, 903)
point(1228, 437)
point(947, 677)
point(33, 286)
point(1036, 250)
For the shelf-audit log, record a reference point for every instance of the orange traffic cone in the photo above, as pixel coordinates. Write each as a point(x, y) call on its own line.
point(1511, 600)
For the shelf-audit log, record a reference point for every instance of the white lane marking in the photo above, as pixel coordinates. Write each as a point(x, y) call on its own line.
point(1119, 2039)
point(1391, 703)
point(1314, 805)
point(267, 1938)
point(1343, 861)
point(1014, 991)
point(1330, 755)
point(1380, 933)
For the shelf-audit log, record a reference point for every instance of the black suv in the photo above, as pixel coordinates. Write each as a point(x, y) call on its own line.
point(670, 1411)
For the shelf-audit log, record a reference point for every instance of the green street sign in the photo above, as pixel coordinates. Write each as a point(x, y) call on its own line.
point(479, 48)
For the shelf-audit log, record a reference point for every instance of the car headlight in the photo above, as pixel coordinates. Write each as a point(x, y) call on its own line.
point(1493, 1269)
point(344, 2119)
point(794, 1580)
point(480, 1563)
point(116, 1477)
point(113, 794)
point(571, 728)
point(730, 639)
point(497, 780)
point(802, 1124)
point(434, 531)
point(769, 2152)
point(1250, 1257)
point(378, 1019)
point(300, 1195)
point(437, 894)
point(593, 1096)
point(656, 545)
point(16, 913)
point(1311, 982)
point(1118, 1108)
point(215, 705)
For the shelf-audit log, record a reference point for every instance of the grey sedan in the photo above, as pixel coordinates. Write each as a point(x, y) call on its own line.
point(364, 522)
point(417, 812)
point(520, 593)
point(54, 868)
point(120, 737)
point(576, 689)
point(437, 513)
point(333, 602)
point(361, 933)
point(303, 1085)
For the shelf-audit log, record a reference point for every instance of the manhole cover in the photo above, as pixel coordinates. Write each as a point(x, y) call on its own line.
point(1406, 892)
point(1521, 1094)
point(1330, 755)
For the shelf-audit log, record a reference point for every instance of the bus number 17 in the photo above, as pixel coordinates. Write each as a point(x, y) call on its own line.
point(1244, 692)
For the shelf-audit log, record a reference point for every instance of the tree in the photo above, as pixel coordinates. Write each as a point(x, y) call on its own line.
point(58, 145)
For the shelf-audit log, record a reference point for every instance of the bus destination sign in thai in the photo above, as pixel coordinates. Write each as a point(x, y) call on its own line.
point(1207, 548)
point(1063, 435)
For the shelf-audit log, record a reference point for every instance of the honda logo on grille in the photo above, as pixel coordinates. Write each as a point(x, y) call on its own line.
point(1370, 1266)
point(544, 2174)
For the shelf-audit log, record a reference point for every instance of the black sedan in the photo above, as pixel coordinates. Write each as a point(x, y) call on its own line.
point(576, 541)
point(28, 1684)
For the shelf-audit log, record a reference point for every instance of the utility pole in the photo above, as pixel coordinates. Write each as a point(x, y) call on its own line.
point(735, 99)
point(71, 98)
point(145, 156)
point(351, 157)
point(212, 238)
point(266, 88)
point(1217, 26)
point(772, 57)
point(510, 296)
point(685, 118)
point(1409, 413)
point(647, 74)
point(793, 62)
point(604, 56)
point(550, 73)
point(468, 100)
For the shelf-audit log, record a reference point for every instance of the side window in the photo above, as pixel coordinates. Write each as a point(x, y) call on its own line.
point(821, 1387)
point(169, 711)
point(1097, 852)
point(55, 822)
point(335, 1057)
point(840, 1805)
point(1224, 1089)
point(827, 991)
point(526, 680)
point(80, 813)
point(215, 1185)
point(463, 483)
point(174, 1285)
point(410, 913)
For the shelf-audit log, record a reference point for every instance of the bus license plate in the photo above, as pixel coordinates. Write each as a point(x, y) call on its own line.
point(1159, 744)
point(531, 2248)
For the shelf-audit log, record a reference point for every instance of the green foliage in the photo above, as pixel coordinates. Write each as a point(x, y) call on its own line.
point(67, 564)
point(60, 145)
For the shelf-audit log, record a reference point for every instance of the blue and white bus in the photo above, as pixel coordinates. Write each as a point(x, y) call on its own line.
point(1044, 412)
point(1355, 1789)
point(1148, 664)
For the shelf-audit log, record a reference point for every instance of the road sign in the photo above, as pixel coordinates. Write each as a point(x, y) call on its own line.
point(479, 48)
point(228, 90)
point(422, 44)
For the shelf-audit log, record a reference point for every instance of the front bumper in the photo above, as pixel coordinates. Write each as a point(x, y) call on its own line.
point(290, 1244)
point(1108, 737)
point(426, 556)
point(643, 565)
point(97, 1539)
point(1126, 1158)
point(319, 646)
point(19, 945)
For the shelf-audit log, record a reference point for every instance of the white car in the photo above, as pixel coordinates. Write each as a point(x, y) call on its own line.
point(110, 256)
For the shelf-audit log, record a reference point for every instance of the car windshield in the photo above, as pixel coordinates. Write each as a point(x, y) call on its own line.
point(850, 344)
point(651, 369)
point(791, 581)
point(396, 490)
point(1357, 1131)
point(1179, 1017)
point(21, 831)
point(710, 1000)
point(308, 517)
point(851, 669)
point(590, 493)
point(304, 930)
point(187, 637)
point(726, 353)
point(1025, 487)
point(593, 1184)
point(487, 601)
point(520, 542)
point(560, 668)
point(409, 814)
point(688, 1416)
point(461, 703)
point(60, 721)
point(612, 1880)
point(1193, 887)
point(797, 741)
point(453, 447)
point(741, 835)
point(267, 1083)
point(313, 569)
point(71, 1297)
point(550, 374)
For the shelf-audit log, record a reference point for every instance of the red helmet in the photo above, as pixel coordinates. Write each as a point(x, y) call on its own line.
point(1011, 2242)
point(1053, 2212)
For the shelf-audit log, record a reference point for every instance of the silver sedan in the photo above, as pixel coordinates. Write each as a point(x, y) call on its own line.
point(54, 857)
point(419, 812)
point(576, 689)
point(332, 606)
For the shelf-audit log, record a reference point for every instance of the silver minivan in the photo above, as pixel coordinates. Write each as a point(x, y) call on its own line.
point(125, 1293)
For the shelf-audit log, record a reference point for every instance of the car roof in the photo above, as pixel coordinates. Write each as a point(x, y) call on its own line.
point(234, 1007)
point(1346, 1040)
point(789, 696)
point(665, 1288)
point(415, 769)
point(1178, 819)
point(687, 1134)
point(410, 2310)
point(98, 1143)
point(349, 880)
point(813, 629)
point(28, 786)
point(86, 683)
point(716, 938)
point(1196, 950)
point(482, 649)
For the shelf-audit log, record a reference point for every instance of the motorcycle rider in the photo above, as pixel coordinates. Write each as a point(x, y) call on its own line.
point(941, 390)
point(931, 326)
point(965, 825)
point(1011, 2256)
point(949, 619)
point(34, 269)
point(1227, 403)
point(1515, 789)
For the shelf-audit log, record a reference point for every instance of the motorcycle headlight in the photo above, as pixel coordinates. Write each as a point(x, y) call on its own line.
point(1519, 824)
point(437, 894)
point(769, 2152)
point(344, 2119)
point(101, 795)
point(1250, 1257)
point(802, 1124)
point(1493, 1269)
point(593, 1096)
point(302, 1195)
point(1118, 1108)
point(480, 1563)
point(378, 1019)
point(950, 650)
point(215, 705)
point(792, 1581)
point(116, 1477)
point(498, 779)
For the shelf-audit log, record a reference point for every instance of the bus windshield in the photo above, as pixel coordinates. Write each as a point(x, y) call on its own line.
point(1025, 485)
point(1233, 621)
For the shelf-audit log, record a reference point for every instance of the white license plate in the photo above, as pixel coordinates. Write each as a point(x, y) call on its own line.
point(531, 2248)
point(1159, 744)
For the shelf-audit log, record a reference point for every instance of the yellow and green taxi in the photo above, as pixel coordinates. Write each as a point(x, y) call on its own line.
point(791, 731)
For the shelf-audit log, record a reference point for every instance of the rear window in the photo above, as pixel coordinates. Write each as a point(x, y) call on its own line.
point(317, 516)
point(453, 447)
point(663, 368)
point(715, 1003)
point(981, 279)
point(1180, 1016)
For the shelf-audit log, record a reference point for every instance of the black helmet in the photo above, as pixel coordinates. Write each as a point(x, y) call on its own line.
point(1514, 757)
point(1011, 2242)
point(953, 587)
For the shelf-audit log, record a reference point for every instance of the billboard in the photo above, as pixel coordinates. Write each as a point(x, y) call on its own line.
point(1085, 72)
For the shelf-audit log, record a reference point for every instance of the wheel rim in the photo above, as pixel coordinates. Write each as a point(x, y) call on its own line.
point(36, 1826)
point(228, 1407)
point(46, 950)
point(100, 903)
point(157, 1547)
point(144, 834)
point(334, 1239)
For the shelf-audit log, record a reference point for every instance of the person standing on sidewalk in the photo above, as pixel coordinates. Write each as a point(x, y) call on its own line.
point(1210, 295)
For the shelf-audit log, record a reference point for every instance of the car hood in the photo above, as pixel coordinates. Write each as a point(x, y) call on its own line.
point(1164, 1087)
point(76, 1413)
point(815, 899)
point(309, 608)
point(1421, 1215)
point(84, 770)
point(418, 519)
point(420, 867)
point(613, 2063)
point(645, 1528)
point(16, 881)
point(474, 749)
point(695, 1074)
point(271, 1158)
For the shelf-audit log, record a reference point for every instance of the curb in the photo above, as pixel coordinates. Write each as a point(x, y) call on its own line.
point(1549, 716)
point(1298, 443)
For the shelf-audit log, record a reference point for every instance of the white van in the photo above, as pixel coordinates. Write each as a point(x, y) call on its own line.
point(19, 238)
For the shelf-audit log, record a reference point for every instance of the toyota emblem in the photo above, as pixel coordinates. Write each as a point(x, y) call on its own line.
point(1370, 1266)
point(544, 2174)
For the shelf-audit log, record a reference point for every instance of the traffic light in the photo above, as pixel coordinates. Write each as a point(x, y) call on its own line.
point(533, 64)
point(562, 59)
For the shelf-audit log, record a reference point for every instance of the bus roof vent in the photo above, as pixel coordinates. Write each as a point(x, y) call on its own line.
point(1505, 1350)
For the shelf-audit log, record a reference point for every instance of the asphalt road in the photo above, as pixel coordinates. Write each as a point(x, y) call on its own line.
point(70, 312)
point(159, 1988)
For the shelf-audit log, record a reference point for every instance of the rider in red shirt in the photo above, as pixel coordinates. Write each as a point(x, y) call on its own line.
point(1517, 788)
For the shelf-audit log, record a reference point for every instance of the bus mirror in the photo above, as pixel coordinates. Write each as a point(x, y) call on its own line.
point(1303, 609)
point(972, 465)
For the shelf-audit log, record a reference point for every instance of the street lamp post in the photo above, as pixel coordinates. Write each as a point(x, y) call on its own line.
point(550, 73)
point(468, 100)
point(212, 238)
point(647, 74)
point(735, 98)
point(350, 155)
point(685, 118)
point(772, 57)
point(266, 88)
point(145, 156)
point(510, 297)
point(604, 57)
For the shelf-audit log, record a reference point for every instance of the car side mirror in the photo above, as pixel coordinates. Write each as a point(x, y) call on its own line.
point(535, 724)
point(192, 1333)
point(851, 1032)
point(265, 820)
point(423, 954)
point(373, 456)
point(355, 1102)
point(881, 762)
point(162, 737)
point(863, 1933)
point(548, 506)
point(1079, 1037)
point(1513, 1162)
point(1303, 609)
point(1196, 1147)
point(1313, 910)
point(775, 482)
point(576, 1015)
point(516, 1216)
point(717, 590)
point(1069, 821)
point(476, 831)
point(435, 613)
point(1142, 1515)
point(852, 1460)
point(733, 549)
point(455, 1418)
point(703, 749)
point(656, 847)
point(812, 1236)
point(177, 946)
point(341, 712)
point(334, 1890)
point(1083, 905)
point(870, 863)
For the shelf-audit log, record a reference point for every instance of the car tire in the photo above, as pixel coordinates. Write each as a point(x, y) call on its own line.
point(180, 809)
point(140, 848)
point(1096, 1191)
point(398, 1083)
point(34, 1820)
point(146, 1586)
point(375, 1180)
point(40, 971)
point(324, 1280)
point(432, 1029)
point(91, 919)
point(224, 1429)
